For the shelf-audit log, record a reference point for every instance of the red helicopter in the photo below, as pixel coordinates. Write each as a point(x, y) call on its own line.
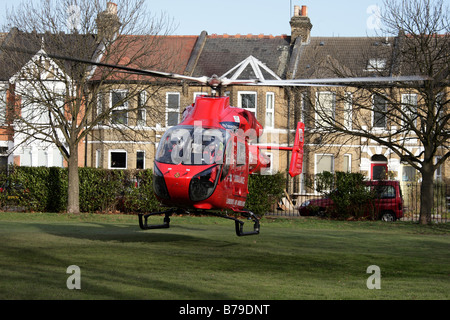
point(204, 162)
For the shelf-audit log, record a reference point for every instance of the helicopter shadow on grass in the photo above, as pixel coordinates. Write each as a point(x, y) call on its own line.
point(97, 231)
point(112, 232)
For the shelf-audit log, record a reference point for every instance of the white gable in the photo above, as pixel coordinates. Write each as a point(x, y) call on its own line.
point(251, 68)
point(50, 71)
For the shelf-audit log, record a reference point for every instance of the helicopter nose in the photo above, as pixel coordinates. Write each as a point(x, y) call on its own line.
point(177, 179)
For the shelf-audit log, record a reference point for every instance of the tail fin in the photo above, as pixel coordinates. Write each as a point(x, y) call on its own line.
point(297, 151)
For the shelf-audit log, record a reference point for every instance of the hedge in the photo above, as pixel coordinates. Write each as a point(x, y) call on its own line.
point(264, 192)
point(44, 189)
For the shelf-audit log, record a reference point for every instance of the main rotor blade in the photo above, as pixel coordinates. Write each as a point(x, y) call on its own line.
point(152, 73)
point(227, 82)
point(342, 81)
point(214, 82)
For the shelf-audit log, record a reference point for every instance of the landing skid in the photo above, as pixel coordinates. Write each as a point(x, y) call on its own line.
point(239, 224)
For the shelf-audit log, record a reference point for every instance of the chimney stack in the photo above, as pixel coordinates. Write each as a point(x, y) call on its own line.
point(108, 23)
point(300, 24)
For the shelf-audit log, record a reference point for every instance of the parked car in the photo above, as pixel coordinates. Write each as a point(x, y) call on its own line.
point(387, 204)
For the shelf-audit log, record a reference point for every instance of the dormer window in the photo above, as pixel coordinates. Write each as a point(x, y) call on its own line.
point(376, 65)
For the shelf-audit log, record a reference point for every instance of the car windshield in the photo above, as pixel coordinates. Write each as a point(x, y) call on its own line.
point(192, 145)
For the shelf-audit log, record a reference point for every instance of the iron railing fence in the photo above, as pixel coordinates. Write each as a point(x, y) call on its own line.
point(289, 204)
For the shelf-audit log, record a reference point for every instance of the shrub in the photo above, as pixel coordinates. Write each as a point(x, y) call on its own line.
point(264, 191)
point(138, 195)
point(57, 189)
point(350, 197)
point(27, 188)
point(99, 189)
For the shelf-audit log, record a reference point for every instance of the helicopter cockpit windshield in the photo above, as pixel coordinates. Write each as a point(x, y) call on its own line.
point(192, 145)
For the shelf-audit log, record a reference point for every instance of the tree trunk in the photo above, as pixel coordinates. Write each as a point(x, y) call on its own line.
point(426, 193)
point(73, 192)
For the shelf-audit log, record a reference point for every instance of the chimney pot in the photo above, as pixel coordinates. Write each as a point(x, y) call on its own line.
point(296, 11)
point(304, 11)
point(111, 8)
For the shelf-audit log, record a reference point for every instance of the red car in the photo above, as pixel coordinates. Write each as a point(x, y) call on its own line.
point(388, 204)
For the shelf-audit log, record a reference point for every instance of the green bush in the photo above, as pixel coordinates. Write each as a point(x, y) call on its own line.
point(264, 192)
point(57, 190)
point(99, 189)
point(138, 196)
point(350, 197)
point(27, 188)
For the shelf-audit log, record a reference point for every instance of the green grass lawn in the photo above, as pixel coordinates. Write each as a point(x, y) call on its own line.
point(201, 258)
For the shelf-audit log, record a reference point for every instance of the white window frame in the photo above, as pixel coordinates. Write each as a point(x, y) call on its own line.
point(99, 106)
point(270, 169)
point(270, 109)
point(169, 110)
point(143, 151)
point(318, 119)
point(253, 110)
point(384, 114)
point(117, 151)
point(376, 64)
point(98, 157)
point(317, 156)
point(348, 111)
point(406, 106)
point(412, 169)
point(124, 105)
point(302, 107)
point(3, 95)
point(348, 159)
point(438, 171)
point(142, 99)
point(26, 159)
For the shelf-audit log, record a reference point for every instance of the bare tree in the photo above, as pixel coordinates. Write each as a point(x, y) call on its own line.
point(57, 99)
point(406, 114)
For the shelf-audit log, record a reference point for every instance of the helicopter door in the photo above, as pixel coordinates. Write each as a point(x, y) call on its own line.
point(240, 172)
